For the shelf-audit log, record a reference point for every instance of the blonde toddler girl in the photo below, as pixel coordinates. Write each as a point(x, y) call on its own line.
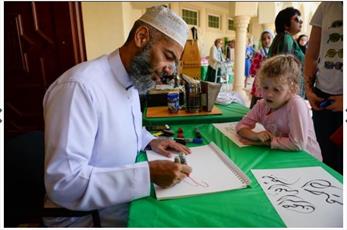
point(283, 113)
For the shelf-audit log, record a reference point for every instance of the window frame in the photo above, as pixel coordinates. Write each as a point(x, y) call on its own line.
point(219, 21)
point(197, 15)
point(233, 28)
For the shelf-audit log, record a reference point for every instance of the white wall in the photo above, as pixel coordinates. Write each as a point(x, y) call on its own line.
point(207, 35)
point(255, 29)
point(103, 27)
point(107, 24)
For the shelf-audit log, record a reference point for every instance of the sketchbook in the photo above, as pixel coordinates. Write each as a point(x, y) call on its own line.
point(229, 130)
point(303, 197)
point(212, 171)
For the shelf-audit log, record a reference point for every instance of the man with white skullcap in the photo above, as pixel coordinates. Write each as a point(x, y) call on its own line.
point(93, 125)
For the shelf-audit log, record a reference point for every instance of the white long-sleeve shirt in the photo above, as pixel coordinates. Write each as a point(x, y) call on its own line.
point(93, 132)
point(216, 57)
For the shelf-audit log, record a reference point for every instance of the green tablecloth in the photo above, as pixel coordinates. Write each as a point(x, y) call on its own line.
point(231, 112)
point(247, 207)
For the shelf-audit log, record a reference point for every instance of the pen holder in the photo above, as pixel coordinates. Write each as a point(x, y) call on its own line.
point(209, 93)
point(192, 94)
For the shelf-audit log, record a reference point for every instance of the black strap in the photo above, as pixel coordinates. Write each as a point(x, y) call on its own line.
point(128, 87)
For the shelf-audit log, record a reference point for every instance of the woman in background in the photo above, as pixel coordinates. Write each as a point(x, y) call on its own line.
point(215, 59)
point(288, 23)
point(302, 41)
point(258, 58)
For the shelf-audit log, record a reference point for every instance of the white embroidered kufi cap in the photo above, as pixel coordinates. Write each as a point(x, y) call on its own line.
point(167, 22)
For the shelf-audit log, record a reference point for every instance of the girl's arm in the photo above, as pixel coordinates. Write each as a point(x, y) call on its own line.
point(245, 126)
point(259, 143)
point(248, 134)
point(298, 121)
point(262, 137)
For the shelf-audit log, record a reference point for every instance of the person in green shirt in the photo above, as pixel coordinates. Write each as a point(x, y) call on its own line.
point(288, 23)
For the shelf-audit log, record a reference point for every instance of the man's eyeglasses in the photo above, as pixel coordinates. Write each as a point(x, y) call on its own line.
point(298, 19)
point(332, 53)
point(331, 65)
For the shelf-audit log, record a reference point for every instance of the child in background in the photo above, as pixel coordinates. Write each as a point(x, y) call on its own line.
point(258, 58)
point(283, 113)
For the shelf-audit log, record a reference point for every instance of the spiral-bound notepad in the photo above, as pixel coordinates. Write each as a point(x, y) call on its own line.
point(212, 172)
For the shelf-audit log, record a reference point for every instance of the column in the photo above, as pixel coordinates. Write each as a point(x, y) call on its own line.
point(241, 23)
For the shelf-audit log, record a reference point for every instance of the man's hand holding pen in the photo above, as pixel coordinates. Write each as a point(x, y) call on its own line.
point(166, 173)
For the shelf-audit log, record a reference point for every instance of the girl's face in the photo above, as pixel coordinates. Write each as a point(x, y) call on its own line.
point(295, 25)
point(276, 93)
point(266, 40)
point(303, 40)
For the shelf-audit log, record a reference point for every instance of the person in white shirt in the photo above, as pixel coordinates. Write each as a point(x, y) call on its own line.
point(215, 60)
point(323, 71)
point(93, 125)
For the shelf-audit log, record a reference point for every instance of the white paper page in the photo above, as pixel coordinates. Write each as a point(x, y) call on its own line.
point(209, 174)
point(303, 197)
point(229, 130)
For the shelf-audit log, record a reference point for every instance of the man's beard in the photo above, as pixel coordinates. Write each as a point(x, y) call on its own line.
point(141, 72)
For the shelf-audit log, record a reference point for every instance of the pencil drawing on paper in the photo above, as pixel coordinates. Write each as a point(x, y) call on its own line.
point(196, 183)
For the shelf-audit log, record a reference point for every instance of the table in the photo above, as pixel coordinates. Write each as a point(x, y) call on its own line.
point(247, 207)
point(231, 112)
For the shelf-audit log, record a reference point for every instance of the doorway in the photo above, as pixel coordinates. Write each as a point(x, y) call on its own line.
point(41, 41)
